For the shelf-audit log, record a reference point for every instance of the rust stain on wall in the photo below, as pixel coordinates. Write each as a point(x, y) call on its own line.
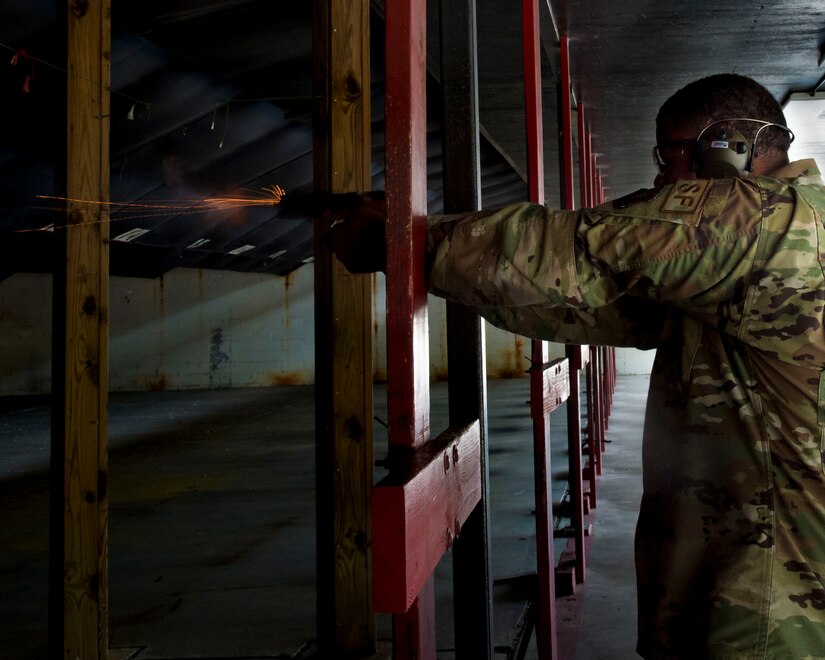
point(513, 363)
point(156, 384)
point(286, 378)
point(439, 374)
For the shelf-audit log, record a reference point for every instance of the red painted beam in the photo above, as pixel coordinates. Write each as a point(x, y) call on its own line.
point(593, 176)
point(555, 385)
point(545, 568)
point(532, 100)
point(406, 186)
point(579, 356)
point(418, 510)
point(546, 620)
point(566, 102)
point(584, 156)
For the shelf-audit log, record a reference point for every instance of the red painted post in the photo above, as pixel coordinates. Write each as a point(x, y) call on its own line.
point(584, 157)
point(532, 100)
point(406, 186)
point(594, 175)
point(593, 442)
point(546, 619)
point(566, 120)
point(574, 444)
point(413, 634)
point(591, 172)
point(598, 380)
point(407, 320)
point(418, 511)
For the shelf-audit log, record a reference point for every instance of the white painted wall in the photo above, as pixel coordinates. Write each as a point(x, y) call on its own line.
point(206, 329)
point(190, 329)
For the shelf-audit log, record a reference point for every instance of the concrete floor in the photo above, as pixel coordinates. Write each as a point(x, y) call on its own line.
point(212, 513)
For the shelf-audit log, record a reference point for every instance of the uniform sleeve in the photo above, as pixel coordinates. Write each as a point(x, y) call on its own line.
point(690, 245)
point(628, 322)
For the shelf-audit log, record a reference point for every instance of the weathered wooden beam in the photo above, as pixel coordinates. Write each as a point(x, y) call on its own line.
point(532, 100)
point(408, 372)
point(343, 339)
point(566, 126)
point(554, 383)
point(574, 451)
point(418, 510)
point(79, 581)
point(540, 404)
point(545, 569)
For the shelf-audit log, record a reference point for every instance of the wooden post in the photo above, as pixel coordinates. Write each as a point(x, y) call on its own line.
point(574, 353)
point(472, 583)
point(584, 156)
point(566, 127)
point(79, 479)
point(408, 378)
point(408, 372)
point(532, 100)
point(546, 622)
point(343, 335)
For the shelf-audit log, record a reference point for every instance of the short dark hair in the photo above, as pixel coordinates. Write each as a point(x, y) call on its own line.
point(724, 96)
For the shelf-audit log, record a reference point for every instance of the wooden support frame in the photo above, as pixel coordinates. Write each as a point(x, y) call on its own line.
point(407, 321)
point(574, 353)
point(566, 126)
point(574, 450)
point(546, 616)
point(584, 155)
point(593, 440)
point(406, 183)
point(434, 485)
point(532, 99)
point(343, 339)
point(78, 584)
point(422, 505)
point(549, 388)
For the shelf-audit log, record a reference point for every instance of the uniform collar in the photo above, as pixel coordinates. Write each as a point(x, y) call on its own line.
point(798, 169)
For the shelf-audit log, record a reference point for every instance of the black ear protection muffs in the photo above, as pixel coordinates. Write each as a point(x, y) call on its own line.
point(721, 153)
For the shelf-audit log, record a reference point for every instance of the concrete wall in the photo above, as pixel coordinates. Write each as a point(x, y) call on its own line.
point(189, 329)
point(206, 329)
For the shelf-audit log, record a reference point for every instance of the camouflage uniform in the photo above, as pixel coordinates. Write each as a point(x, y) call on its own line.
point(725, 278)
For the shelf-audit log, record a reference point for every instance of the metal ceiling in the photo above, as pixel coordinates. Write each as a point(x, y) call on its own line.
point(210, 98)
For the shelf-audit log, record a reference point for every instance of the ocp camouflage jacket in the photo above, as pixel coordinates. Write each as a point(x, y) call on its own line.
point(725, 278)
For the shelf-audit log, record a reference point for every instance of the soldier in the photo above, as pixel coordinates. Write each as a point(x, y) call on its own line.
point(720, 268)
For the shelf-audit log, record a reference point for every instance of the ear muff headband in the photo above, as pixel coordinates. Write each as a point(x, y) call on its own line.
point(728, 153)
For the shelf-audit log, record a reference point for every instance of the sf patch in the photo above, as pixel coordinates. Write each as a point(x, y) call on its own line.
point(686, 196)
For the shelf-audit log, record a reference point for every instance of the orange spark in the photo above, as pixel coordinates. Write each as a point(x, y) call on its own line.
point(276, 195)
point(271, 196)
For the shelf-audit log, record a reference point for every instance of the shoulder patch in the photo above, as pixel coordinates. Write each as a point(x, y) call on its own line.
point(686, 196)
point(638, 197)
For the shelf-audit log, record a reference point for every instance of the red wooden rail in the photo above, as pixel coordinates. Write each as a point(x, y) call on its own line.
point(545, 570)
point(422, 506)
point(406, 187)
point(434, 485)
point(407, 348)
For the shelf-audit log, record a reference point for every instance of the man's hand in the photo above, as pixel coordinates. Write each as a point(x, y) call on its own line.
point(358, 232)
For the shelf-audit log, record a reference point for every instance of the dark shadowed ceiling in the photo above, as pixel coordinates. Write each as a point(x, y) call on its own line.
point(212, 98)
